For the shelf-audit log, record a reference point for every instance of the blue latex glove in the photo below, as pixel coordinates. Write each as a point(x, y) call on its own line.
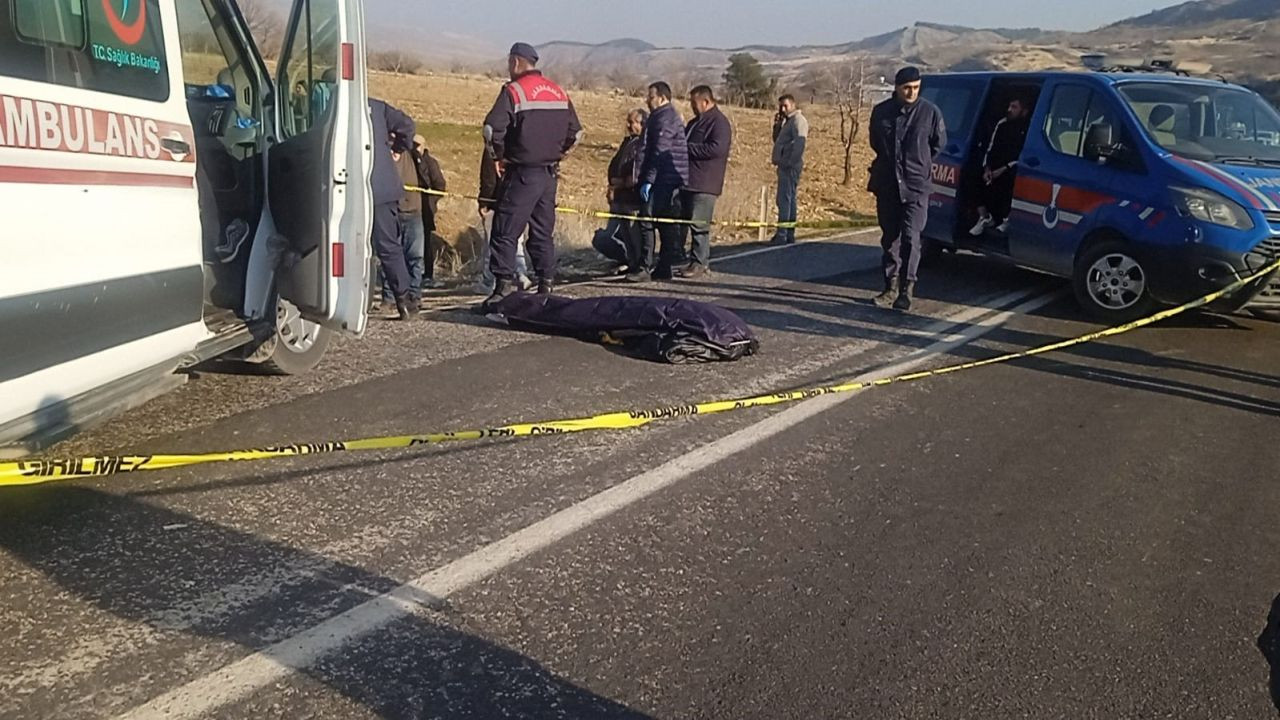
point(646, 190)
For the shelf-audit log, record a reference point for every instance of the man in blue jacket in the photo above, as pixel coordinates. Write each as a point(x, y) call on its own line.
point(392, 132)
point(907, 133)
point(663, 173)
point(710, 136)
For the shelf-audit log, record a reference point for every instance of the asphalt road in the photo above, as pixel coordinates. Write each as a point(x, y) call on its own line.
point(1088, 534)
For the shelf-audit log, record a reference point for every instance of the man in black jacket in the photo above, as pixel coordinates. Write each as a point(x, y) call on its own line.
point(907, 133)
point(431, 177)
point(392, 132)
point(1000, 168)
point(710, 136)
point(620, 240)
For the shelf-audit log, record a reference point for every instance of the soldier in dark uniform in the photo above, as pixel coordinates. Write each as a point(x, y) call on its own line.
point(907, 132)
point(1000, 167)
point(530, 129)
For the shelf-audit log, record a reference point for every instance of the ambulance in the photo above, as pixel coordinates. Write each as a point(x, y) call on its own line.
point(167, 199)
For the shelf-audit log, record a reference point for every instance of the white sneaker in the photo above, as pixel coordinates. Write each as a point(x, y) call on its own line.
point(981, 227)
point(1003, 228)
point(525, 283)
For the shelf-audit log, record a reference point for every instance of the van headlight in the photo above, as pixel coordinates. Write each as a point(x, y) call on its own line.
point(1211, 207)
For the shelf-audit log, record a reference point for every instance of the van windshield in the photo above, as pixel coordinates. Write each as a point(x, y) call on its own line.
point(1218, 124)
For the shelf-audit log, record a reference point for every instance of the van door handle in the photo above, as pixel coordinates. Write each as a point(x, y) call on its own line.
point(175, 146)
point(1032, 162)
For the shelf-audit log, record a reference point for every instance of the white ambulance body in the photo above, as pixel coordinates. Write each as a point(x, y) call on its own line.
point(164, 200)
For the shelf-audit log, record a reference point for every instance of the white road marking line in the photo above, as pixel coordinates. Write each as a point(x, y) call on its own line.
point(87, 654)
point(244, 677)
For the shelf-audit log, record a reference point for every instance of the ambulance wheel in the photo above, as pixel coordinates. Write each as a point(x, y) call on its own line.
point(298, 345)
point(1112, 284)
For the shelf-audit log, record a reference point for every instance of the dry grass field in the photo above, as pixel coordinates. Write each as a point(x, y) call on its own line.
point(450, 110)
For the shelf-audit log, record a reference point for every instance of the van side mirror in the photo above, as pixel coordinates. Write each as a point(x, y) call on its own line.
point(1098, 143)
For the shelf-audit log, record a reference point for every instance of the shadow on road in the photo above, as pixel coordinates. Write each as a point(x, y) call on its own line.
point(171, 572)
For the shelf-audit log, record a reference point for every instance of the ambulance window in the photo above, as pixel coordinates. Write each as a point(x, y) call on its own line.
point(51, 22)
point(310, 63)
point(1064, 125)
point(113, 46)
point(216, 65)
point(126, 50)
point(202, 55)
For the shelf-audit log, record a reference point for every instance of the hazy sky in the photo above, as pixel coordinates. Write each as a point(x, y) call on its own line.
point(724, 23)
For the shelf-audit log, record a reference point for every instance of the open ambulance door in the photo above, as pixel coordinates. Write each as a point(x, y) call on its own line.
point(318, 187)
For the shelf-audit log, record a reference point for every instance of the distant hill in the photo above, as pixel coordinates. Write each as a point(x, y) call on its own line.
point(1190, 14)
point(1239, 38)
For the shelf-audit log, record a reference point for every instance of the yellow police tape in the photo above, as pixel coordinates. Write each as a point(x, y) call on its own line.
point(812, 225)
point(35, 472)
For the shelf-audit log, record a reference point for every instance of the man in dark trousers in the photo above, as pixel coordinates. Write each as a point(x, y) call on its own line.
point(710, 136)
point(1000, 167)
point(663, 173)
point(907, 132)
point(431, 177)
point(530, 129)
point(790, 137)
point(392, 132)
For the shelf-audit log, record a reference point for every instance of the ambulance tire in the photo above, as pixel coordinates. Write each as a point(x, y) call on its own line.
point(298, 346)
point(1112, 284)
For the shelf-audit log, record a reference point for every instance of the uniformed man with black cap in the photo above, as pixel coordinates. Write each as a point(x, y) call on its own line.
point(907, 133)
point(530, 129)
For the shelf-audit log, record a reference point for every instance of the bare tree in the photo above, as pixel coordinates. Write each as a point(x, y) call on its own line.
point(817, 82)
point(265, 25)
point(396, 61)
point(628, 80)
point(851, 98)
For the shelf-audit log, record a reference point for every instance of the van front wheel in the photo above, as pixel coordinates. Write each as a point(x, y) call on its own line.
point(298, 345)
point(1112, 284)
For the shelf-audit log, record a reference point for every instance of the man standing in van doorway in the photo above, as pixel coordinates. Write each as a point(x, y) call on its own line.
point(907, 133)
point(1000, 167)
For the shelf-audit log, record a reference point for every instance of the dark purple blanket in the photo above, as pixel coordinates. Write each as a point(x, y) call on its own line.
point(665, 329)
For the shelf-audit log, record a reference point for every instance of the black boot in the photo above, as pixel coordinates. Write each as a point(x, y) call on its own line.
point(886, 298)
point(502, 289)
point(905, 297)
point(545, 286)
point(407, 306)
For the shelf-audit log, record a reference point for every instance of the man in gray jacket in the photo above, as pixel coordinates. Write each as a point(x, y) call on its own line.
point(788, 157)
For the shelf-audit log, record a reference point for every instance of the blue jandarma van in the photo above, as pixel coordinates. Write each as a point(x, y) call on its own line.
point(1144, 188)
